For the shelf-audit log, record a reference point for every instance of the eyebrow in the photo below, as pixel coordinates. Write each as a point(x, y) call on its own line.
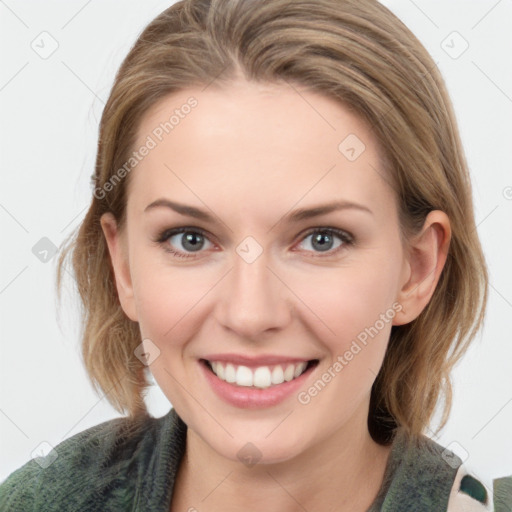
point(295, 216)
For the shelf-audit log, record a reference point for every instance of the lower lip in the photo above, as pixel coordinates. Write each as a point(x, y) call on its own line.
point(252, 398)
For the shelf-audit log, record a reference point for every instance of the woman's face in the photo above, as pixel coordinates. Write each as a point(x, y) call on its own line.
point(290, 248)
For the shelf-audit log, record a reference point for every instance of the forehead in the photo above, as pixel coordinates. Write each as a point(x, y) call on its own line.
point(256, 145)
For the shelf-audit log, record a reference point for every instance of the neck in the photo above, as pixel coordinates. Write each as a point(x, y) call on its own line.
point(345, 469)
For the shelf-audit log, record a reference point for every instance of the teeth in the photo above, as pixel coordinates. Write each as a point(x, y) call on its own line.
point(244, 376)
point(260, 377)
point(277, 375)
point(229, 374)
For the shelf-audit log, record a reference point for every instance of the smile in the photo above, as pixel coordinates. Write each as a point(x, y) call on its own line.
point(259, 377)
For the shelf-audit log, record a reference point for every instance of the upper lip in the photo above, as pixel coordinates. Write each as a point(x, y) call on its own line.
point(261, 360)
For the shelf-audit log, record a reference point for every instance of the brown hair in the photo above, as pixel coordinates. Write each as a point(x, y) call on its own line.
point(360, 54)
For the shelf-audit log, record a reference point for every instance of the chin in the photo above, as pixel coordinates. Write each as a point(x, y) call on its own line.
point(261, 452)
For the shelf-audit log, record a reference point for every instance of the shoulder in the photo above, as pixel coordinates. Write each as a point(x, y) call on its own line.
point(78, 473)
point(423, 476)
point(468, 494)
point(502, 493)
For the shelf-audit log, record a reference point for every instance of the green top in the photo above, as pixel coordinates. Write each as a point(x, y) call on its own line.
point(125, 464)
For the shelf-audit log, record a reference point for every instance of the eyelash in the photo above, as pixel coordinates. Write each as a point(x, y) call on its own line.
point(164, 236)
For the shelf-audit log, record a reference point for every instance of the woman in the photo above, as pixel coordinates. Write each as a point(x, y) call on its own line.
point(281, 231)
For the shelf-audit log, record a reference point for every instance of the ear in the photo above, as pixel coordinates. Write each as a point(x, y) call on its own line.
point(118, 250)
point(424, 262)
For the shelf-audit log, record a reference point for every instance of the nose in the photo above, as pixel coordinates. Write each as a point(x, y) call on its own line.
point(254, 299)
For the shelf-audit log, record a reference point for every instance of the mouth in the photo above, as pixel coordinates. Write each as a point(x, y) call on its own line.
point(258, 377)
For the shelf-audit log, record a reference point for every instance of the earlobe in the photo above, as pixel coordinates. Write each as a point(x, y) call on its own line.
point(425, 261)
point(117, 247)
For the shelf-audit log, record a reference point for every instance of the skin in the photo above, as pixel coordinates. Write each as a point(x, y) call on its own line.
point(250, 154)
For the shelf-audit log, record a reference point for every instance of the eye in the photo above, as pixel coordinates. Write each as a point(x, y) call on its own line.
point(323, 240)
point(183, 242)
point(186, 240)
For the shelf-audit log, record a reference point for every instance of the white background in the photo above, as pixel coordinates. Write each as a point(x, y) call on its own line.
point(50, 111)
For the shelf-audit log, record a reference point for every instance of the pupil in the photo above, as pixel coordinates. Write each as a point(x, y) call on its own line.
point(192, 240)
point(322, 237)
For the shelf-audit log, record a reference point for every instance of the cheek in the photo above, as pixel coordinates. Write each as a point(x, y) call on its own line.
point(167, 297)
point(354, 303)
point(338, 304)
point(350, 311)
